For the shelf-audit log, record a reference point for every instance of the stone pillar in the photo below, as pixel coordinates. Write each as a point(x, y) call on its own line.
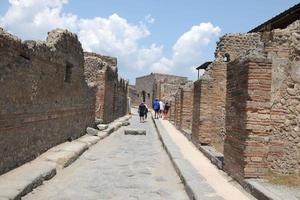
point(247, 118)
point(187, 107)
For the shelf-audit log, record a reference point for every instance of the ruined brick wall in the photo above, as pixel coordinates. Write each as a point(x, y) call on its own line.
point(120, 99)
point(247, 118)
point(262, 126)
point(284, 146)
point(135, 100)
point(187, 106)
point(111, 93)
point(178, 109)
point(210, 90)
point(44, 98)
point(183, 107)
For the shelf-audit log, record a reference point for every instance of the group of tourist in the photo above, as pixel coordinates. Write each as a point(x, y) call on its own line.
point(160, 108)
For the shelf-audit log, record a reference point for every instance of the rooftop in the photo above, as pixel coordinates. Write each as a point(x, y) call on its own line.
point(204, 65)
point(280, 21)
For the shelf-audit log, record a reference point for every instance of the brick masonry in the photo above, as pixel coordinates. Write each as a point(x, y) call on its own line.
point(44, 98)
point(210, 90)
point(262, 126)
point(183, 107)
point(111, 92)
point(132, 93)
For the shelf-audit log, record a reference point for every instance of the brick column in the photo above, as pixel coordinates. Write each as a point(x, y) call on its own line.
point(247, 118)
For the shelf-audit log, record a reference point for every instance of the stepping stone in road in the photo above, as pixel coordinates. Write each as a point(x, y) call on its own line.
point(134, 131)
point(102, 127)
point(126, 123)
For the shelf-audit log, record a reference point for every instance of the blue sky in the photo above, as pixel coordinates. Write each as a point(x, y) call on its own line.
point(159, 35)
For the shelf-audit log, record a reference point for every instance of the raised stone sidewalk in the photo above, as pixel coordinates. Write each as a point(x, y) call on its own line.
point(202, 180)
point(22, 180)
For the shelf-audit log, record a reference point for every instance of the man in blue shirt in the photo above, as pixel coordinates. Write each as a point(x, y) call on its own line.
point(156, 108)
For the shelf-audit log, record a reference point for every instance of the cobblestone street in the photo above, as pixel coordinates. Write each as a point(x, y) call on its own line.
point(118, 167)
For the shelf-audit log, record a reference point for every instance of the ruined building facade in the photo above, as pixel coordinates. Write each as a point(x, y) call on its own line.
point(248, 101)
point(210, 89)
point(111, 91)
point(156, 85)
point(262, 114)
point(45, 99)
point(181, 111)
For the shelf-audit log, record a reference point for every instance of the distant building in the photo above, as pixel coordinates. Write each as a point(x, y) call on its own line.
point(157, 85)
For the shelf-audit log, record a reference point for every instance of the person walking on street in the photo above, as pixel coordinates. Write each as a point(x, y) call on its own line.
point(146, 111)
point(161, 108)
point(166, 111)
point(155, 107)
point(142, 111)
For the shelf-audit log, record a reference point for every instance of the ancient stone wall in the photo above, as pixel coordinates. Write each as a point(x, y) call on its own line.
point(284, 146)
point(210, 90)
point(111, 93)
point(132, 93)
point(156, 85)
point(145, 87)
point(187, 106)
point(178, 109)
point(183, 107)
point(44, 98)
point(120, 98)
point(247, 118)
point(262, 126)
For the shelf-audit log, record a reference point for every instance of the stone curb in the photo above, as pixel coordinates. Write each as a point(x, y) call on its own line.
point(213, 155)
point(22, 180)
point(253, 187)
point(194, 185)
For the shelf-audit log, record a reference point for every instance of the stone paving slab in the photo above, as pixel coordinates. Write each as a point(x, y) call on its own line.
point(135, 131)
point(118, 168)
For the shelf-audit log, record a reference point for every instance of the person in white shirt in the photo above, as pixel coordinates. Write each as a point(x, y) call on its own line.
point(161, 108)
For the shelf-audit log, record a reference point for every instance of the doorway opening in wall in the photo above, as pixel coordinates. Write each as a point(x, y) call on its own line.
point(144, 96)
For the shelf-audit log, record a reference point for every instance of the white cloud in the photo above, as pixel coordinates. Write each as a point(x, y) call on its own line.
point(189, 46)
point(112, 35)
point(164, 65)
point(149, 19)
point(32, 19)
point(147, 56)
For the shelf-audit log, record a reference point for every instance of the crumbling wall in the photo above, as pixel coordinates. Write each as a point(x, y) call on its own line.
point(187, 106)
point(111, 93)
point(262, 126)
point(135, 100)
point(284, 146)
point(210, 90)
point(44, 98)
point(120, 101)
point(178, 109)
